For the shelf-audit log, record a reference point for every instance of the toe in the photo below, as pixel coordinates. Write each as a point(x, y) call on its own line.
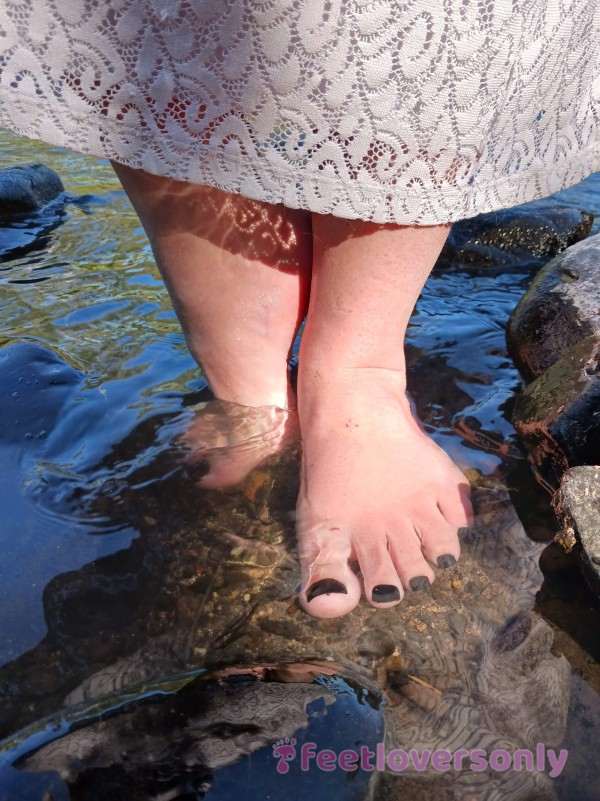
point(457, 507)
point(329, 596)
point(438, 538)
point(408, 558)
point(330, 588)
point(381, 582)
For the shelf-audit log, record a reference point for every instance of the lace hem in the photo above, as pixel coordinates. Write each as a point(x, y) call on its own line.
point(296, 188)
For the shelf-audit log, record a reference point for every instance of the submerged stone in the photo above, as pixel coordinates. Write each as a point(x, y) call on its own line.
point(463, 667)
point(207, 736)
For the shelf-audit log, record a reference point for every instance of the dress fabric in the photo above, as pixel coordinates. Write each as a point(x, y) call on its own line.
point(414, 111)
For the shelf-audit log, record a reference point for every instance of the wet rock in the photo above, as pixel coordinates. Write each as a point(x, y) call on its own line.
point(27, 188)
point(557, 414)
point(512, 665)
point(523, 236)
point(281, 628)
point(32, 204)
point(577, 506)
point(471, 673)
point(35, 384)
point(560, 308)
point(375, 643)
point(554, 339)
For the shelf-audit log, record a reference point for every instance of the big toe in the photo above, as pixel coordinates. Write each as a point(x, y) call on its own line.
point(331, 592)
point(330, 588)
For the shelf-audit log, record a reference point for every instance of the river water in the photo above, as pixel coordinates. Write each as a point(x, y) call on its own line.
point(95, 377)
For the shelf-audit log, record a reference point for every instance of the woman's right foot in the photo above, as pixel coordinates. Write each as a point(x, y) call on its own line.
point(238, 272)
point(233, 440)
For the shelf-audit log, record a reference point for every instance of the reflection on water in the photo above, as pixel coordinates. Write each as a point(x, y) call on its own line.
point(117, 569)
point(208, 736)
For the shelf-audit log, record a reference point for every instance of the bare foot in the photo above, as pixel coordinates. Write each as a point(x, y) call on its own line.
point(376, 491)
point(235, 439)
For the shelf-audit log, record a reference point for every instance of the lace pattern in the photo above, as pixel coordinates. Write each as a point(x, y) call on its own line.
point(406, 111)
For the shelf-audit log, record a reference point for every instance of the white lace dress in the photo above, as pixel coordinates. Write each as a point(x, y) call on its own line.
point(406, 111)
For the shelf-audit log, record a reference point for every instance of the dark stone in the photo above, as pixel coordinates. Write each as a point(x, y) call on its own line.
point(560, 308)
point(577, 506)
point(27, 188)
point(523, 237)
point(554, 339)
point(197, 736)
point(557, 414)
point(32, 204)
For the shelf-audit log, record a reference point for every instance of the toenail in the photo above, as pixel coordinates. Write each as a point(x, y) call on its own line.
point(447, 560)
point(384, 593)
point(419, 583)
point(324, 586)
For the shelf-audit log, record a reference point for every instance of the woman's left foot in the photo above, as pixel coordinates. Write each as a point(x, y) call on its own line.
point(376, 492)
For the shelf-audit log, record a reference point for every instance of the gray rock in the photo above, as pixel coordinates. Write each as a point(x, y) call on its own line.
point(560, 308)
point(27, 188)
point(577, 506)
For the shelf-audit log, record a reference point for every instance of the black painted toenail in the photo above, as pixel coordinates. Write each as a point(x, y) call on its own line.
point(323, 587)
point(419, 583)
point(447, 560)
point(384, 593)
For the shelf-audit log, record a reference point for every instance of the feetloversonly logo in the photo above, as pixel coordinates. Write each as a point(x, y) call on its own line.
point(397, 760)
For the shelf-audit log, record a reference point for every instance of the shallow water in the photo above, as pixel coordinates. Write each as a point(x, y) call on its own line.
point(94, 414)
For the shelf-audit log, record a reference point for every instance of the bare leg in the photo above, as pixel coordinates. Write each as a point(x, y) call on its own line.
point(238, 272)
point(375, 489)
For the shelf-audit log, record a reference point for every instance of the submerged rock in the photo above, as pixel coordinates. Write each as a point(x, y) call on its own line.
point(203, 736)
point(27, 188)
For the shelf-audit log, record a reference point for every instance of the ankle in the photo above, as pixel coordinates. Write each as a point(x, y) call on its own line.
point(253, 394)
point(351, 401)
point(343, 382)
